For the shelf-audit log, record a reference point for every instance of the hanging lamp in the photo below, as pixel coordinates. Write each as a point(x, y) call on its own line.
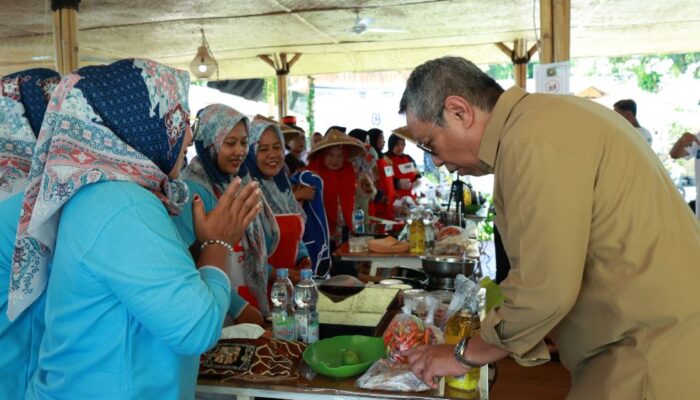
point(204, 65)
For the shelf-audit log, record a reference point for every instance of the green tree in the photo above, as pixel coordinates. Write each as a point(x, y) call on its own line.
point(649, 69)
point(310, 108)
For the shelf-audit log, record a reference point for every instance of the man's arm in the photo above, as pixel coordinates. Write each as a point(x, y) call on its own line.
point(678, 149)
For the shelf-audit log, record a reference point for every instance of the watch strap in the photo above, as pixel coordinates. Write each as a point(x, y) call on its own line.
point(460, 349)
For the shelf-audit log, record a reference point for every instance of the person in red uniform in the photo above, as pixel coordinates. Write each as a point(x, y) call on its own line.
point(382, 205)
point(406, 174)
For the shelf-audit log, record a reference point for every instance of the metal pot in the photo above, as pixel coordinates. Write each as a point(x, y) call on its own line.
point(447, 267)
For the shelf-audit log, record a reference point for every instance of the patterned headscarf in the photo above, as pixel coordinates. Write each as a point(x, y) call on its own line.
point(23, 99)
point(278, 190)
point(120, 122)
point(365, 163)
point(215, 123)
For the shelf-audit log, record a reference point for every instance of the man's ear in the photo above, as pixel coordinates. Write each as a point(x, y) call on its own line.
point(459, 108)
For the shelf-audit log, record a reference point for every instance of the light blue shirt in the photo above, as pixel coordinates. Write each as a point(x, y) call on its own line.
point(19, 340)
point(185, 226)
point(128, 315)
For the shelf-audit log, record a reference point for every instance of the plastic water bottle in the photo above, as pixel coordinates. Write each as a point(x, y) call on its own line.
point(358, 221)
point(282, 298)
point(305, 298)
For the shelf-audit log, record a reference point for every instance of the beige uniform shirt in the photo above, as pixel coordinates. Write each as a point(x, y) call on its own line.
point(604, 253)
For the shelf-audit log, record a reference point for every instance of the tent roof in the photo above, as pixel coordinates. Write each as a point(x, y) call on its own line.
point(240, 30)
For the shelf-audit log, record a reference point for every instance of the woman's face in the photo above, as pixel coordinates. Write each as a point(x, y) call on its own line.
point(399, 147)
point(270, 154)
point(334, 158)
point(315, 139)
point(380, 141)
point(186, 142)
point(233, 150)
point(297, 145)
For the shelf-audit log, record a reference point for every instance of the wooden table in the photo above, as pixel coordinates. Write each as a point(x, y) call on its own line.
point(545, 382)
point(379, 260)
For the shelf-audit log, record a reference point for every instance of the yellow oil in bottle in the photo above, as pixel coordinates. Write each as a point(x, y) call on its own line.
point(462, 324)
point(467, 196)
point(417, 235)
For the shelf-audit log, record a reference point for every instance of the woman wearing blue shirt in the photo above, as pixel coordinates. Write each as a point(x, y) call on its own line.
point(23, 104)
point(127, 312)
point(221, 141)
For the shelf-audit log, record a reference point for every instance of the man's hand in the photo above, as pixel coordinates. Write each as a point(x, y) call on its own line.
point(678, 149)
point(431, 362)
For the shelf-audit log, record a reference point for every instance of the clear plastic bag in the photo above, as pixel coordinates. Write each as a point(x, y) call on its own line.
point(383, 375)
point(406, 331)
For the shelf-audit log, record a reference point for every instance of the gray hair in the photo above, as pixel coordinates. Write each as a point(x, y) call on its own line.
point(433, 81)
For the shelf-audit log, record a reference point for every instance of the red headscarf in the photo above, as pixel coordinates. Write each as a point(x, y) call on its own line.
point(338, 185)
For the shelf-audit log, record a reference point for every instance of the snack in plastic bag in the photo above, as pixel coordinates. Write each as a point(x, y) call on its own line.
point(404, 332)
point(384, 375)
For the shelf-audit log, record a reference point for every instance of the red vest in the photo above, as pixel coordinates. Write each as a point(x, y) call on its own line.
point(384, 208)
point(404, 168)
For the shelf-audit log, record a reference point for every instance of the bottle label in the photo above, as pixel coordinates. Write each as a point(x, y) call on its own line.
point(307, 328)
point(313, 332)
point(283, 327)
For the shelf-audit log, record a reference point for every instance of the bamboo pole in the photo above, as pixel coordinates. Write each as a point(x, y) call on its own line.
point(65, 18)
point(520, 61)
point(555, 30)
point(58, 49)
point(546, 32)
point(281, 66)
point(561, 12)
point(281, 96)
point(520, 57)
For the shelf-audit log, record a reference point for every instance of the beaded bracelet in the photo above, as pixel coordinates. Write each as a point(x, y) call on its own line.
point(219, 242)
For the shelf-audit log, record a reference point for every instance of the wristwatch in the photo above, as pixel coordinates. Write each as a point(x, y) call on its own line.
point(460, 349)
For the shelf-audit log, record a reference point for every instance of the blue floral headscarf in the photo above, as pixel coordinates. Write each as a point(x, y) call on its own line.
point(23, 99)
point(215, 123)
point(278, 190)
point(120, 122)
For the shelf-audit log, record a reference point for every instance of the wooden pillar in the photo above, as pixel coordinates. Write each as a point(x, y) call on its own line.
point(555, 30)
point(65, 33)
point(282, 67)
point(520, 57)
point(562, 29)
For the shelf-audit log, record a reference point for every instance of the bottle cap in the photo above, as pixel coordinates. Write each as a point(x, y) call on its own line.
point(306, 273)
point(282, 272)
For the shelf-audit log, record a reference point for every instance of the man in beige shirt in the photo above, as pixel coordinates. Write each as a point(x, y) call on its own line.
point(604, 253)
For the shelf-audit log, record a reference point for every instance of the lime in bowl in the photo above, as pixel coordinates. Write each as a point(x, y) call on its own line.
point(344, 356)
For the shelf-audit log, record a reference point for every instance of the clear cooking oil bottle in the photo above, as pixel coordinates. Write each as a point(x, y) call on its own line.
point(417, 233)
point(461, 324)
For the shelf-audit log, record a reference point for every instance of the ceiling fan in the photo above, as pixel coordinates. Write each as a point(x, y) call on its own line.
point(362, 25)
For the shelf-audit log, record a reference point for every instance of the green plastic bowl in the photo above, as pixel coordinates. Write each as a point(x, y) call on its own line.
point(326, 356)
point(472, 208)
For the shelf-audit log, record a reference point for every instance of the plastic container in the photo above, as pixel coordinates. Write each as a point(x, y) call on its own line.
point(463, 324)
point(329, 357)
point(306, 316)
point(416, 234)
point(358, 221)
point(282, 297)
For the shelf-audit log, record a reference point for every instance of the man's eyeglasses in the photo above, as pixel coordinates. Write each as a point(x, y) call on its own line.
point(425, 143)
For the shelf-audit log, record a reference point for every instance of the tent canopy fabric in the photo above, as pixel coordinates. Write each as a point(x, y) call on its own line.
point(238, 31)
